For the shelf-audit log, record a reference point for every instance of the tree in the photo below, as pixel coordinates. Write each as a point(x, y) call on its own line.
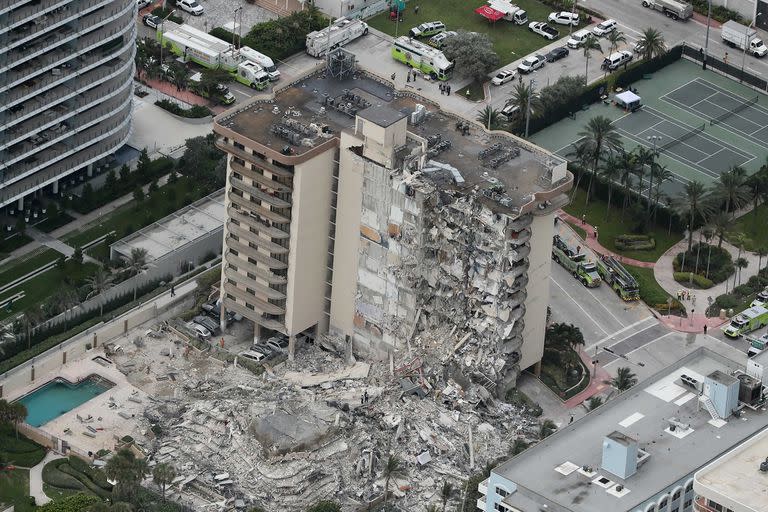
point(7, 336)
point(741, 263)
point(708, 234)
point(761, 253)
point(758, 185)
point(393, 468)
point(87, 194)
point(616, 37)
point(720, 224)
point(692, 203)
point(598, 138)
point(610, 172)
point(627, 165)
point(624, 379)
point(125, 173)
point(31, 318)
point(178, 75)
point(522, 93)
point(472, 54)
point(136, 262)
point(561, 93)
point(138, 195)
point(562, 335)
point(590, 44)
point(77, 256)
point(446, 493)
point(153, 187)
point(731, 188)
point(120, 506)
point(21, 226)
point(594, 403)
point(490, 117)
point(75, 503)
point(546, 429)
point(111, 180)
point(211, 78)
point(325, 506)
point(16, 413)
point(98, 283)
point(127, 470)
point(652, 43)
point(163, 474)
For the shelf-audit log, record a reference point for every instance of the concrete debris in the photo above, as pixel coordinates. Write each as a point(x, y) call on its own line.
point(319, 428)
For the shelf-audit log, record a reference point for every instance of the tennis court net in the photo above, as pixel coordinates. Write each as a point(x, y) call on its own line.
point(739, 108)
point(683, 137)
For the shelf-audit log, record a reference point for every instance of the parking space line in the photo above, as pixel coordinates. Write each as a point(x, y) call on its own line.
point(651, 342)
point(620, 331)
point(578, 304)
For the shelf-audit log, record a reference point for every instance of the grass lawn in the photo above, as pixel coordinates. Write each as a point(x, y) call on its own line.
point(553, 374)
point(611, 226)
point(650, 291)
point(22, 451)
point(51, 223)
point(475, 90)
point(752, 226)
point(14, 490)
point(12, 243)
point(100, 251)
point(32, 261)
point(510, 41)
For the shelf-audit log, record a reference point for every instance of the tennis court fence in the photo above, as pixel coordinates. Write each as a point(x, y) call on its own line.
point(696, 54)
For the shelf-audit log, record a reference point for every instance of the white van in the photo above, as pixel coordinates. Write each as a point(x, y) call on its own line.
point(616, 59)
point(577, 38)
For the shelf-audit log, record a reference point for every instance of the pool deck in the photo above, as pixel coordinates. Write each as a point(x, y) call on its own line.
point(108, 423)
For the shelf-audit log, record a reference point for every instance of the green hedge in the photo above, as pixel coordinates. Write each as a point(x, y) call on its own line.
point(698, 280)
point(719, 12)
point(719, 260)
point(635, 243)
point(195, 112)
point(62, 474)
point(640, 68)
point(22, 451)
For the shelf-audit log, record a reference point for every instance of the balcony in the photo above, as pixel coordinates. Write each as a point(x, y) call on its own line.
point(9, 5)
point(255, 160)
point(260, 306)
point(266, 291)
point(254, 238)
point(255, 223)
point(253, 253)
point(262, 273)
point(253, 316)
point(259, 178)
point(49, 15)
point(259, 194)
point(482, 488)
point(519, 237)
point(257, 210)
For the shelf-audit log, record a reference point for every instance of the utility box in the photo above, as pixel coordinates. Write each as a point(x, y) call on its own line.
point(619, 455)
point(723, 391)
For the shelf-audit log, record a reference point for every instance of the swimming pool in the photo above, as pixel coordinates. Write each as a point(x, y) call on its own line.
point(60, 396)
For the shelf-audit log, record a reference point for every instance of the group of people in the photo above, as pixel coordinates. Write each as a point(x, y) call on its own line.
point(685, 295)
point(411, 76)
point(445, 89)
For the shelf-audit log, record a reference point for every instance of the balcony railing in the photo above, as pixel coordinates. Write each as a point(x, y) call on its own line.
point(263, 273)
point(258, 210)
point(254, 238)
point(260, 289)
point(254, 316)
point(259, 194)
point(254, 159)
point(261, 306)
point(252, 252)
point(259, 178)
point(253, 222)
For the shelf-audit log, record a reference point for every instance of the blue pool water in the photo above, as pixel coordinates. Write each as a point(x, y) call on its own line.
point(59, 396)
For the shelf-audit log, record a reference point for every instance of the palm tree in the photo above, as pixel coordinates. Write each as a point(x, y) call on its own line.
point(163, 474)
point(611, 172)
point(740, 264)
point(627, 166)
point(758, 184)
point(31, 318)
point(692, 203)
point(590, 44)
point(580, 156)
point(6, 336)
point(616, 37)
point(598, 138)
point(98, 283)
point(594, 403)
point(446, 493)
point(490, 117)
point(64, 300)
point(127, 470)
point(708, 233)
point(547, 428)
point(393, 468)
point(16, 413)
point(652, 43)
point(720, 224)
point(662, 175)
point(624, 379)
point(761, 253)
point(731, 188)
point(521, 94)
point(136, 263)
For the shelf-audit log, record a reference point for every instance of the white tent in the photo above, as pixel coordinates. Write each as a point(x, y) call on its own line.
point(627, 100)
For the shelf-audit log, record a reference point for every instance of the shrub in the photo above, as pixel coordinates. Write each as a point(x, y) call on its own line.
point(744, 290)
point(551, 357)
point(727, 301)
point(698, 280)
point(635, 243)
point(195, 112)
point(719, 259)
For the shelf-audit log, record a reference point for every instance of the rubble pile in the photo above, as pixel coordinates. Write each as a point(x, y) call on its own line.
point(322, 427)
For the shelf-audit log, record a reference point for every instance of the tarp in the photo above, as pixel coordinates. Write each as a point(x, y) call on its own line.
point(489, 13)
point(627, 97)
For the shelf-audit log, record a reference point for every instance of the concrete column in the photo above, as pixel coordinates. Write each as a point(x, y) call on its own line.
point(55, 186)
point(537, 369)
point(223, 317)
point(89, 170)
point(256, 333)
point(291, 347)
point(20, 205)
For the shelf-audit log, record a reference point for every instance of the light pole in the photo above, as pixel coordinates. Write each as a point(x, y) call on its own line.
point(746, 45)
point(570, 25)
point(706, 41)
point(234, 23)
point(162, 42)
point(653, 139)
point(528, 106)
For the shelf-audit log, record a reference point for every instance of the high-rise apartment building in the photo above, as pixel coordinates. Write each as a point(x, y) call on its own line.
point(66, 69)
point(371, 214)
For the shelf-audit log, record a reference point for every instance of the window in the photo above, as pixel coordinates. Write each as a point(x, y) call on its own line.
point(502, 492)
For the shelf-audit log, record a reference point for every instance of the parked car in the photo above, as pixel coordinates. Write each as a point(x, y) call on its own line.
point(151, 20)
point(564, 18)
point(438, 41)
point(252, 355)
point(544, 30)
point(616, 59)
point(190, 6)
point(201, 331)
point(531, 63)
point(207, 322)
point(761, 299)
point(557, 53)
point(503, 76)
point(213, 309)
point(510, 111)
point(639, 48)
point(577, 38)
point(143, 3)
point(278, 343)
point(265, 349)
point(604, 28)
point(429, 28)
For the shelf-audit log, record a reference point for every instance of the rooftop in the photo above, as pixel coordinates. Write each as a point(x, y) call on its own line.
point(736, 475)
point(552, 469)
point(160, 238)
point(314, 111)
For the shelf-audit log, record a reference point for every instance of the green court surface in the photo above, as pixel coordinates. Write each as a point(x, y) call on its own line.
point(702, 124)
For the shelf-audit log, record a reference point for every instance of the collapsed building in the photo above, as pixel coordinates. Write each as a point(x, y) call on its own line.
point(371, 215)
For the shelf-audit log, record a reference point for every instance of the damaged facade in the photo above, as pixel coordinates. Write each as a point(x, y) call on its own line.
point(371, 217)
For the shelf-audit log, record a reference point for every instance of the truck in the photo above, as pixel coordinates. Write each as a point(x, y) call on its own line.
point(616, 276)
point(756, 345)
point(336, 35)
point(418, 55)
point(574, 262)
point(219, 92)
point(747, 321)
point(266, 63)
point(251, 74)
point(743, 38)
point(544, 30)
point(671, 8)
point(511, 12)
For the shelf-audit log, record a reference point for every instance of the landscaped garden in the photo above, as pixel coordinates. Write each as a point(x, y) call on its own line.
point(66, 477)
point(562, 370)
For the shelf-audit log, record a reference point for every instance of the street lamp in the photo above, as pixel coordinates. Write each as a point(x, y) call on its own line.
point(746, 45)
point(570, 25)
point(706, 41)
point(654, 139)
point(162, 42)
point(235, 25)
point(528, 106)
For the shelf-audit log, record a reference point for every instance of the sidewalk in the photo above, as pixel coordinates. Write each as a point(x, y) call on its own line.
point(36, 479)
point(597, 383)
point(594, 244)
